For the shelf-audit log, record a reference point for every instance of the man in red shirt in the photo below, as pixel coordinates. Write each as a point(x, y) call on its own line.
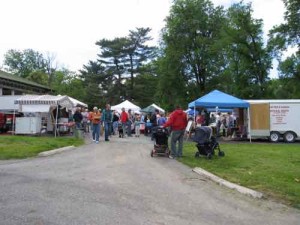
point(124, 119)
point(177, 122)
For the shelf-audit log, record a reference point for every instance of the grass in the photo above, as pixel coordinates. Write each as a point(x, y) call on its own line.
point(20, 147)
point(273, 169)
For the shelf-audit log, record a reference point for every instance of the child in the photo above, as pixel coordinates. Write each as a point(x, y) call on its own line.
point(137, 123)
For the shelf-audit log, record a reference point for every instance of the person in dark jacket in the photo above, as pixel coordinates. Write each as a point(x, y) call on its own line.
point(107, 118)
point(178, 123)
point(77, 118)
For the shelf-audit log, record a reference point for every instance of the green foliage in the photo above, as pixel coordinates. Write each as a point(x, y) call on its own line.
point(38, 77)
point(24, 62)
point(66, 82)
point(144, 88)
point(190, 35)
point(282, 37)
point(248, 61)
point(123, 59)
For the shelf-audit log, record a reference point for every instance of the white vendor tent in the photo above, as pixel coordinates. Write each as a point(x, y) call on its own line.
point(42, 103)
point(77, 103)
point(127, 105)
point(46, 104)
point(151, 109)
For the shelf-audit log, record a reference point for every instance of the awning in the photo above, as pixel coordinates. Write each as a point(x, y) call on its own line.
point(34, 108)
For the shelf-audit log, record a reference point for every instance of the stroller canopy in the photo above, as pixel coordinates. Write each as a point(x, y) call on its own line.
point(202, 134)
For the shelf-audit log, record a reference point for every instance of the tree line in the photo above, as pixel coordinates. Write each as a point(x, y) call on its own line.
point(202, 47)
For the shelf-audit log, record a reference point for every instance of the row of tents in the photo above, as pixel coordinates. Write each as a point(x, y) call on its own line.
point(213, 101)
point(129, 105)
point(51, 104)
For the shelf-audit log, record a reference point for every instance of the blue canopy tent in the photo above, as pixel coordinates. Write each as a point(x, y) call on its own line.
point(219, 100)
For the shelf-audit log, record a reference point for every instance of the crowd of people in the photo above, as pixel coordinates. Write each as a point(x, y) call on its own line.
point(224, 123)
point(109, 122)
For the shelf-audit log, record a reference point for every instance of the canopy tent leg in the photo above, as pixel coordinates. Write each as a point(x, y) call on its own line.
point(249, 123)
point(55, 129)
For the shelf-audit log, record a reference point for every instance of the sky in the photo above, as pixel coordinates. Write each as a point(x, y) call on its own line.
point(69, 29)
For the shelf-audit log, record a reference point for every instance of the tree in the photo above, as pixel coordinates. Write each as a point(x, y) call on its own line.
point(123, 59)
point(38, 77)
point(114, 60)
point(190, 55)
point(247, 59)
point(138, 52)
point(31, 64)
point(22, 63)
point(66, 82)
point(282, 37)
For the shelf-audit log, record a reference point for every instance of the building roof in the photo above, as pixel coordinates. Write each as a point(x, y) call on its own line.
point(15, 78)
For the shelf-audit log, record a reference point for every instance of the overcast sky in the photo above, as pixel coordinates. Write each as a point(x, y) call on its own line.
point(70, 28)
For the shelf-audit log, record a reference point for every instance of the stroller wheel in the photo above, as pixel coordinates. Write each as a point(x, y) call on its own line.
point(209, 155)
point(197, 155)
point(151, 153)
point(221, 153)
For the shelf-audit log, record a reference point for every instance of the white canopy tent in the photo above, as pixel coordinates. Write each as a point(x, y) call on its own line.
point(43, 103)
point(127, 105)
point(77, 103)
point(34, 101)
point(157, 107)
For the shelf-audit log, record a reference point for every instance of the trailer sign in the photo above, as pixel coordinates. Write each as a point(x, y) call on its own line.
point(279, 114)
point(284, 117)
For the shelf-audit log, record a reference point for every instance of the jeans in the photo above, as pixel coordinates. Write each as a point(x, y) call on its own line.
point(137, 130)
point(129, 128)
point(107, 128)
point(177, 136)
point(78, 125)
point(96, 132)
point(115, 127)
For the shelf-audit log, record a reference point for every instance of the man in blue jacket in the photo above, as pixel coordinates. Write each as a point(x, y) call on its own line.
point(107, 118)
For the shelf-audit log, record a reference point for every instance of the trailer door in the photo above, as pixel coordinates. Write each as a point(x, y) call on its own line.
point(260, 119)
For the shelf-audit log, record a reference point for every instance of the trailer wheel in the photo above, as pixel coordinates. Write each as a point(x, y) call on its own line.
point(289, 137)
point(274, 136)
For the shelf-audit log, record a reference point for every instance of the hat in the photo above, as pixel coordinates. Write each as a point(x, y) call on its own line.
point(95, 108)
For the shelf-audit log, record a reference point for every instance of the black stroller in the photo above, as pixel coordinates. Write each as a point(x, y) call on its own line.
point(206, 143)
point(160, 136)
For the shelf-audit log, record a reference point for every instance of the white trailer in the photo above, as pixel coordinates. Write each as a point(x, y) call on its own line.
point(275, 119)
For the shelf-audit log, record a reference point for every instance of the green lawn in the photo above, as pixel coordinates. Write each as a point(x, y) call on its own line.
point(19, 147)
point(273, 169)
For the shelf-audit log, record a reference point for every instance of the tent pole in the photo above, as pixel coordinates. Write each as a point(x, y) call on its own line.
point(56, 119)
point(13, 125)
point(249, 123)
point(194, 116)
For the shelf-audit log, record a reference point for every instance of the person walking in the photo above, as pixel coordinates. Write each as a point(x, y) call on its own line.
point(177, 122)
point(124, 119)
point(137, 123)
point(116, 119)
point(77, 118)
point(85, 115)
point(129, 123)
point(95, 119)
point(107, 118)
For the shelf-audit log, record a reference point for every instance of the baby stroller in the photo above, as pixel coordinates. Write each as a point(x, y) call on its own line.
point(206, 143)
point(161, 142)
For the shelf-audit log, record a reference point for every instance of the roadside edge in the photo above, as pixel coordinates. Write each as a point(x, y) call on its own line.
point(228, 184)
point(55, 151)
